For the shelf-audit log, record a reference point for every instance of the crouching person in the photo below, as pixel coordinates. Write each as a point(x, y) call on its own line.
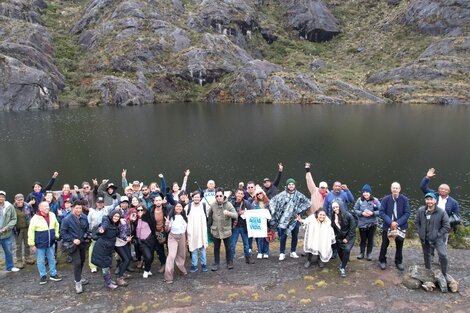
point(74, 241)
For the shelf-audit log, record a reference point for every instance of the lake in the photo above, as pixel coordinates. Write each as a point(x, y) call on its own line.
point(231, 143)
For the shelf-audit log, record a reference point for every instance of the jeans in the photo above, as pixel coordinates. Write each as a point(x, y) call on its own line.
point(194, 256)
point(228, 251)
point(124, 253)
point(244, 233)
point(78, 259)
point(384, 246)
point(41, 255)
point(367, 238)
point(283, 236)
point(263, 245)
point(147, 247)
point(7, 245)
point(160, 248)
point(344, 251)
point(441, 248)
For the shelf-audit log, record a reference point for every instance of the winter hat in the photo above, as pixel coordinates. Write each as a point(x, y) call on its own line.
point(258, 190)
point(366, 188)
point(290, 181)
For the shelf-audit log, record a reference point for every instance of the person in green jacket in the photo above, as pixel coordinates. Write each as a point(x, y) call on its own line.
point(23, 214)
point(220, 218)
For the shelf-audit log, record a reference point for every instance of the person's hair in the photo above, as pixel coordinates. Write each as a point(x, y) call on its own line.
point(318, 212)
point(85, 183)
point(265, 198)
point(371, 198)
point(79, 202)
point(220, 189)
point(240, 189)
point(340, 214)
point(250, 182)
point(54, 200)
point(172, 213)
point(197, 192)
point(36, 183)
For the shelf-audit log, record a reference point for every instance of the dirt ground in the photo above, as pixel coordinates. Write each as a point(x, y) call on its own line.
point(269, 285)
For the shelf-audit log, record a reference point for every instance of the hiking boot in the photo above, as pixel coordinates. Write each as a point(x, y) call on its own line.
point(193, 269)
point(215, 267)
point(230, 265)
point(121, 282)
point(43, 280)
point(140, 264)
point(383, 266)
point(400, 267)
point(20, 264)
point(55, 277)
point(78, 287)
point(249, 260)
point(126, 275)
point(204, 268)
point(30, 261)
point(360, 256)
point(369, 257)
point(342, 272)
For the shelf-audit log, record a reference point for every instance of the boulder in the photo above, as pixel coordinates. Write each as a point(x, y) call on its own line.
point(443, 17)
point(21, 10)
point(280, 92)
point(448, 47)
point(352, 93)
point(411, 72)
point(121, 92)
point(23, 87)
point(312, 19)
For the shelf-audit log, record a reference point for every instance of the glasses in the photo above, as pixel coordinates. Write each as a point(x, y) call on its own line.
point(250, 187)
point(259, 194)
point(86, 187)
point(219, 196)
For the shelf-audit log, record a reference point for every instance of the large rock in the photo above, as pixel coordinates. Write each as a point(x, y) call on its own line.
point(24, 88)
point(121, 92)
point(22, 10)
point(432, 17)
point(312, 19)
point(446, 47)
point(217, 57)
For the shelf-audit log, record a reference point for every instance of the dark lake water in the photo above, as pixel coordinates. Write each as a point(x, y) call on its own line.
point(232, 143)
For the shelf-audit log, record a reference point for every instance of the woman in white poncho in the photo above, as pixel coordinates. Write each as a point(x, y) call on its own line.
point(319, 236)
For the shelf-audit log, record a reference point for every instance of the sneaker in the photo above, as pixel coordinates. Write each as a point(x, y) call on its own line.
point(215, 267)
point(204, 268)
point(55, 277)
point(360, 256)
point(121, 282)
point(265, 256)
point(94, 270)
point(342, 272)
point(282, 256)
point(78, 287)
point(230, 265)
point(294, 255)
point(307, 264)
point(193, 269)
point(84, 281)
point(146, 274)
point(43, 280)
point(13, 270)
point(369, 257)
point(383, 266)
point(20, 264)
point(259, 256)
point(400, 267)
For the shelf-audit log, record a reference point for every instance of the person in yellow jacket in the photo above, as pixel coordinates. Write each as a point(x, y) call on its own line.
point(43, 232)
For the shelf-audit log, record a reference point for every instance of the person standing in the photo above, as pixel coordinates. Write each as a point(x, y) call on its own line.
point(23, 214)
point(367, 210)
point(433, 224)
point(175, 225)
point(95, 217)
point(220, 218)
point(394, 212)
point(285, 207)
point(317, 194)
point(73, 232)
point(241, 205)
point(197, 231)
point(37, 195)
point(271, 188)
point(7, 223)
point(43, 232)
point(344, 225)
point(444, 200)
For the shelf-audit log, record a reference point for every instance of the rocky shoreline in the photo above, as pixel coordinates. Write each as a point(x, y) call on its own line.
point(124, 53)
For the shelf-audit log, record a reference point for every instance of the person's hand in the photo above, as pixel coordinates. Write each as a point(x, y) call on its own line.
point(298, 218)
point(123, 221)
point(344, 187)
point(33, 201)
point(307, 165)
point(394, 225)
point(105, 181)
point(94, 181)
point(431, 173)
point(114, 196)
point(129, 239)
point(55, 174)
point(226, 212)
point(345, 241)
point(241, 185)
point(33, 249)
point(75, 187)
point(76, 241)
point(160, 175)
point(281, 167)
point(242, 212)
point(124, 173)
point(167, 221)
point(187, 172)
point(100, 230)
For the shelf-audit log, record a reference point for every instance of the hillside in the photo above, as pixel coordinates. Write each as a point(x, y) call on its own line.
point(119, 53)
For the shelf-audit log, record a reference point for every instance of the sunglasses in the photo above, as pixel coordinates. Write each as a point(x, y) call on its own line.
point(259, 193)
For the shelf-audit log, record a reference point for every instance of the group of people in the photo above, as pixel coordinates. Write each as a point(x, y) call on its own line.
point(151, 218)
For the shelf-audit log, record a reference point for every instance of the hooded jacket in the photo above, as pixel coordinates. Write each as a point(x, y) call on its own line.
point(41, 233)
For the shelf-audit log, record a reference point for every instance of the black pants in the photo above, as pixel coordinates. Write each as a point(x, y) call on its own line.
point(367, 238)
point(384, 246)
point(124, 253)
point(344, 251)
point(160, 249)
point(146, 248)
point(78, 259)
point(227, 245)
point(441, 248)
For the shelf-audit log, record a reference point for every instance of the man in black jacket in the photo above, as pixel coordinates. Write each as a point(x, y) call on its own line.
point(271, 188)
point(432, 224)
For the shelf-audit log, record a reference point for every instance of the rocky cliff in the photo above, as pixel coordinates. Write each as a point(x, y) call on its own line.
point(120, 53)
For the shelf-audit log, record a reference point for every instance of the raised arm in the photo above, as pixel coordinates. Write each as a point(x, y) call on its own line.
point(312, 188)
point(278, 176)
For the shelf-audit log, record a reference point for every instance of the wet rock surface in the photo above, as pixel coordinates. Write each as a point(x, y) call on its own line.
point(268, 285)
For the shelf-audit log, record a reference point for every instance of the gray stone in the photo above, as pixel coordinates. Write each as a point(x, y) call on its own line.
point(120, 92)
point(280, 92)
point(318, 65)
point(411, 283)
point(312, 19)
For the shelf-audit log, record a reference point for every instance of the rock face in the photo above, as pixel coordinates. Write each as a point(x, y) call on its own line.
point(443, 17)
point(29, 78)
point(312, 19)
